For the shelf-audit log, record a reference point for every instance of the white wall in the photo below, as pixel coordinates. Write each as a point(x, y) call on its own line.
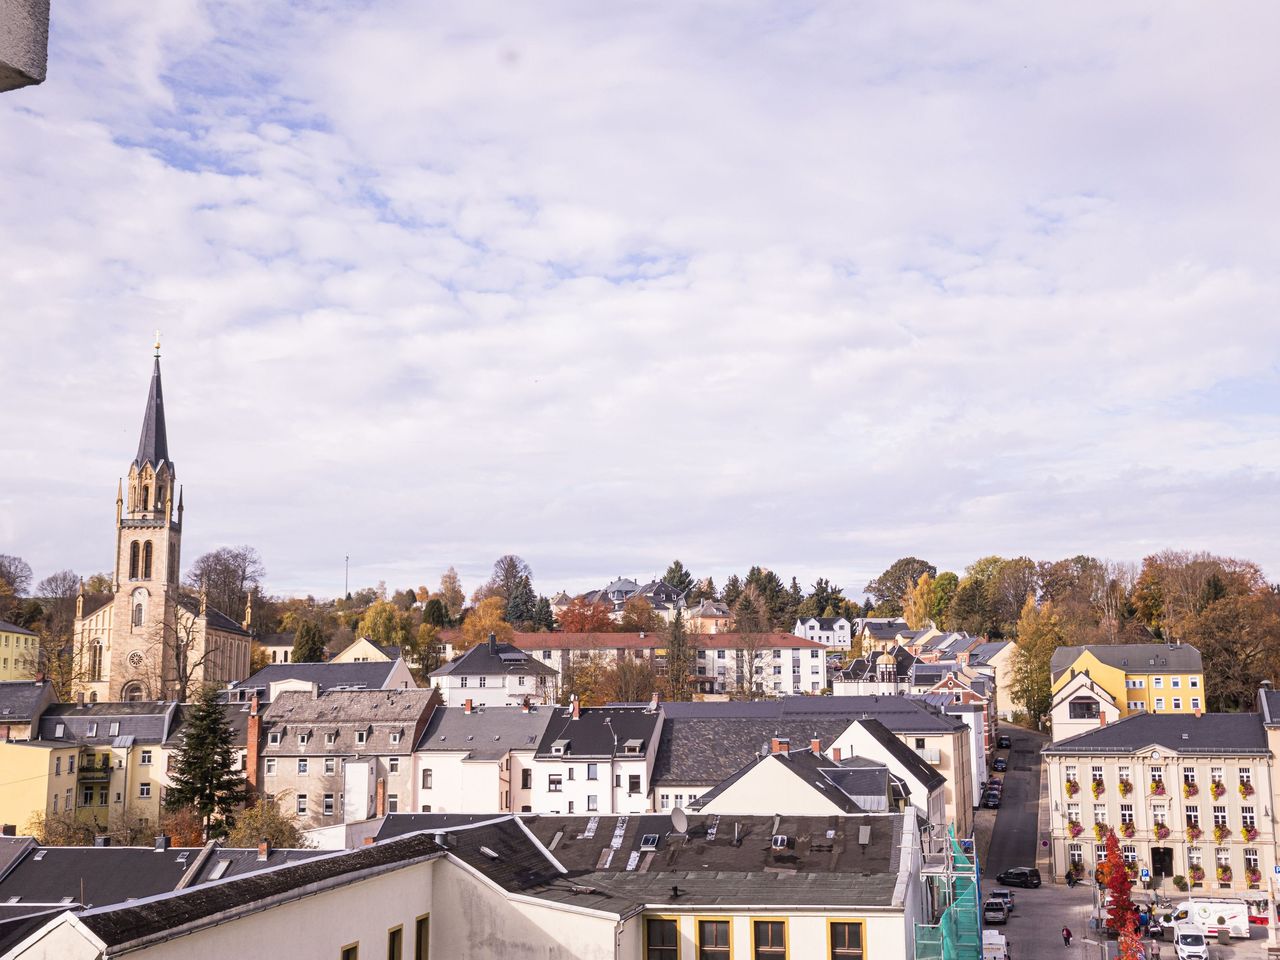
point(458, 785)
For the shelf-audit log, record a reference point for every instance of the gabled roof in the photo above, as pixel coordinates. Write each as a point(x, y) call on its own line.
point(371, 675)
point(1223, 734)
point(216, 619)
point(1132, 657)
point(816, 772)
point(899, 714)
point(100, 875)
point(143, 721)
point(599, 731)
point(1269, 704)
point(983, 653)
point(494, 659)
point(21, 700)
point(8, 627)
point(153, 443)
point(389, 719)
point(910, 761)
point(697, 751)
point(486, 733)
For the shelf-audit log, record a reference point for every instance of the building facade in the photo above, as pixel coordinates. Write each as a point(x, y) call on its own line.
point(19, 652)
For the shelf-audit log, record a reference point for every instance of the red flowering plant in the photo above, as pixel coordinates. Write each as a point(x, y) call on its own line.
point(1073, 787)
point(1224, 874)
point(1162, 831)
point(1125, 787)
point(1216, 789)
point(1157, 788)
point(1249, 833)
point(1254, 876)
point(1189, 789)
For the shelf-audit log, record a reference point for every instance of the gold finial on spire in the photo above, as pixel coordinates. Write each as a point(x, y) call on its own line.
point(157, 343)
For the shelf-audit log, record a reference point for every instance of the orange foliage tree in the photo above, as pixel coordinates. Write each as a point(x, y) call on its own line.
point(582, 617)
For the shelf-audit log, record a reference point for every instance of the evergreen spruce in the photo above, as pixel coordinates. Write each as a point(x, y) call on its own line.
point(203, 778)
point(308, 643)
point(522, 604)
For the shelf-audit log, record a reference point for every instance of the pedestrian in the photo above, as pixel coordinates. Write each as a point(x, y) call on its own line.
point(1066, 936)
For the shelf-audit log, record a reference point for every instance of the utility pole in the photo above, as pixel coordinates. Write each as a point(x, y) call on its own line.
point(346, 576)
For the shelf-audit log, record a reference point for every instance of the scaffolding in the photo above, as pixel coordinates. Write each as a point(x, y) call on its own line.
point(951, 882)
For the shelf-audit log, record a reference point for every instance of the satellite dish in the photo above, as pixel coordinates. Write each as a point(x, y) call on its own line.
point(679, 821)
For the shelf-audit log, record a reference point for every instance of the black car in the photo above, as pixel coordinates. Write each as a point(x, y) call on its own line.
point(1003, 742)
point(1001, 765)
point(1020, 877)
point(992, 799)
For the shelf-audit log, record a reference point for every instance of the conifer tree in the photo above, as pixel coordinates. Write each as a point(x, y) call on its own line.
point(203, 778)
point(308, 643)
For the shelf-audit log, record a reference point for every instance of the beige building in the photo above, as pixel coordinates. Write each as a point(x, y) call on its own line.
point(1188, 796)
point(19, 652)
point(147, 640)
point(364, 650)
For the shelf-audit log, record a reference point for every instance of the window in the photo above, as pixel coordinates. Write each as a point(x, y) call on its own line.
point(393, 803)
point(769, 939)
point(421, 937)
point(303, 738)
point(271, 766)
point(328, 804)
point(1157, 682)
point(1073, 812)
point(361, 737)
point(845, 939)
point(144, 790)
point(302, 766)
point(571, 806)
point(393, 765)
point(351, 952)
point(1194, 682)
point(330, 765)
point(1195, 703)
point(1251, 858)
point(115, 728)
point(526, 779)
point(426, 779)
point(145, 758)
point(1158, 813)
point(1175, 682)
point(395, 737)
point(93, 730)
point(593, 771)
point(1247, 817)
point(146, 560)
point(1130, 854)
point(395, 943)
point(713, 940)
point(273, 738)
point(1246, 775)
point(1126, 813)
point(633, 783)
point(1177, 703)
point(719, 654)
point(330, 739)
point(1157, 774)
point(1193, 815)
point(86, 798)
point(555, 782)
point(661, 939)
point(462, 681)
point(301, 806)
point(592, 802)
point(1081, 708)
point(664, 801)
point(1219, 816)
point(57, 766)
point(1099, 813)
point(571, 773)
point(1159, 703)
point(920, 746)
point(1096, 772)
point(1075, 853)
point(1135, 683)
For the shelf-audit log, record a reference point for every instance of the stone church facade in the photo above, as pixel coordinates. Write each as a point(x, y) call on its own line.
point(148, 640)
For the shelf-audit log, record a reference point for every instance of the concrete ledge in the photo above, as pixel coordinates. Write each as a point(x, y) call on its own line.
point(24, 42)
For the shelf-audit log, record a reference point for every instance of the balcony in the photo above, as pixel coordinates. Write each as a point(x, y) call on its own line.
point(88, 773)
point(932, 755)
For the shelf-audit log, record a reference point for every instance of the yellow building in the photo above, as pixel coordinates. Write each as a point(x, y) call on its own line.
point(1129, 678)
point(36, 777)
point(19, 652)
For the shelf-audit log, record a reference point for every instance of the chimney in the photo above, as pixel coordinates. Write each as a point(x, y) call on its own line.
point(1102, 719)
point(653, 702)
point(780, 745)
point(641, 634)
point(524, 705)
point(576, 707)
point(264, 850)
point(1197, 712)
point(80, 699)
point(816, 746)
point(835, 754)
point(493, 644)
point(162, 843)
point(253, 740)
point(380, 798)
point(102, 841)
point(467, 705)
point(369, 841)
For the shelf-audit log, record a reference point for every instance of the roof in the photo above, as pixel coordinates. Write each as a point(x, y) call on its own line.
point(400, 824)
point(899, 714)
point(486, 733)
point(731, 640)
point(814, 770)
point(370, 675)
point(1269, 703)
point(216, 619)
point(143, 721)
point(93, 602)
point(276, 640)
point(599, 731)
point(825, 623)
point(704, 751)
point(1132, 657)
point(1229, 734)
point(21, 700)
point(493, 659)
point(865, 668)
point(907, 758)
point(100, 875)
point(7, 626)
point(224, 862)
point(153, 443)
point(984, 653)
point(380, 713)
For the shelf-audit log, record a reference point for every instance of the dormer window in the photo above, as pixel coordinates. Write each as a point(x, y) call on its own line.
point(361, 737)
point(92, 731)
point(273, 738)
point(329, 739)
point(559, 748)
point(114, 730)
point(395, 737)
point(303, 738)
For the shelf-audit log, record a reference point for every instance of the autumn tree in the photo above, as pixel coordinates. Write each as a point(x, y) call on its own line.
point(488, 616)
point(451, 594)
point(971, 608)
point(263, 820)
point(507, 571)
point(1039, 634)
point(583, 617)
point(637, 615)
point(15, 577)
point(258, 657)
point(386, 624)
point(1013, 581)
point(677, 576)
point(917, 605)
point(309, 643)
point(1115, 875)
point(890, 587)
point(226, 576)
point(1238, 636)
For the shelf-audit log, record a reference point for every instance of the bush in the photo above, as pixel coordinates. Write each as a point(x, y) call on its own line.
point(1180, 882)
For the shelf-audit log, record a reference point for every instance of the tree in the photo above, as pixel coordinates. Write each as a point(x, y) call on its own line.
point(258, 657)
point(1239, 638)
point(582, 617)
point(890, 587)
point(423, 652)
point(488, 616)
point(522, 604)
point(773, 596)
point(637, 615)
point(1039, 634)
point(405, 599)
point(824, 595)
point(917, 605)
point(385, 624)
point(679, 660)
point(944, 588)
point(1008, 589)
point(677, 576)
point(435, 613)
point(703, 590)
point(507, 571)
point(732, 590)
point(970, 608)
point(226, 576)
point(309, 643)
point(203, 770)
point(15, 577)
point(749, 613)
point(451, 593)
point(263, 820)
point(543, 616)
point(1120, 912)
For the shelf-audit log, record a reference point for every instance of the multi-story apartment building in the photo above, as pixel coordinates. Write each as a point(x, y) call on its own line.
point(340, 755)
point(833, 631)
point(19, 652)
point(1188, 795)
point(497, 674)
point(1128, 678)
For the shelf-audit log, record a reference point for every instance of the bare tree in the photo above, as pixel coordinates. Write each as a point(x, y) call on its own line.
point(175, 656)
point(15, 577)
point(227, 575)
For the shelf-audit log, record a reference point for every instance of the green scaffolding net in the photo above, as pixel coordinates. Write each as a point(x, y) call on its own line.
point(958, 933)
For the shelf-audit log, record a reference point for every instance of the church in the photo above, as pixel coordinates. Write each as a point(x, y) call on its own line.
point(147, 639)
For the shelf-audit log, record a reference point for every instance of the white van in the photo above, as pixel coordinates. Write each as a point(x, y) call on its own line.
point(1190, 942)
point(1215, 914)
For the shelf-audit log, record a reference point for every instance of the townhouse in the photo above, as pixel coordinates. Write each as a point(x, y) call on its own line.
point(995, 660)
point(19, 652)
point(497, 674)
point(1188, 795)
point(1128, 678)
point(363, 675)
point(833, 631)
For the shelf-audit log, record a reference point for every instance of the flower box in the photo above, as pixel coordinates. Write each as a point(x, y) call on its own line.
point(1216, 790)
point(1162, 831)
point(1194, 832)
point(1220, 832)
point(1249, 833)
point(1189, 789)
point(1127, 830)
point(1224, 874)
point(1125, 788)
point(1246, 789)
point(1075, 828)
point(1253, 876)
point(1098, 788)
point(1196, 874)
point(1157, 788)
point(1100, 830)
point(1073, 787)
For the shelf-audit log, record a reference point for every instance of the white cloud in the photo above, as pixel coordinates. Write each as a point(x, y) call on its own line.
point(605, 286)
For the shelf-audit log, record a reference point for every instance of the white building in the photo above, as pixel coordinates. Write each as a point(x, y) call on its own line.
point(832, 631)
point(496, 675)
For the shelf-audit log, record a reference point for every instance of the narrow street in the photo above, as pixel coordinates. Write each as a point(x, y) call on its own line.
point(1014, 837)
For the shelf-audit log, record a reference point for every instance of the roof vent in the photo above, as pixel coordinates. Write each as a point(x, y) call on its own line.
point(489, 852)
point(781, 841)
point(1186, 736)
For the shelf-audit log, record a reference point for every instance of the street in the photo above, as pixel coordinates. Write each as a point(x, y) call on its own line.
point(1014, 837)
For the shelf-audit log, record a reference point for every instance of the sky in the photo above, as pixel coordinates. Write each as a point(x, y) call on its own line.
point(805, 285)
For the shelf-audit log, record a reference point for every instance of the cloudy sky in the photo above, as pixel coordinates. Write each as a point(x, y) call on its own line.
point(807, 285)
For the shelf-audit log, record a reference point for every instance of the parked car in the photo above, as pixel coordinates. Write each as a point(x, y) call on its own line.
point(1001, 765)
point(1189, 941)
point(992, 799)
point(1005, 895)
point(995, 911)
point(1028, 877)
point(1003, 742)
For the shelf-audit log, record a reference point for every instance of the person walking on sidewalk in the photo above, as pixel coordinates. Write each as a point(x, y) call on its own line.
point(1066, 936)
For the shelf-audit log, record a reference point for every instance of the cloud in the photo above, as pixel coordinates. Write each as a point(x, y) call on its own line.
point(604, 286)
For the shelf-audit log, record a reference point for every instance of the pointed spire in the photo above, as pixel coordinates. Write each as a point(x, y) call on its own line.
point(153, 444)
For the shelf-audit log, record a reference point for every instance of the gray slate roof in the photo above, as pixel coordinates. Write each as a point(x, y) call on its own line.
point(599, 731)
point(705, 751)
point(1133, 657)
point(1229, 734)
point(216, 619)
point(494, 659)
point(144, 721)
point(487, 732)
point(21, 700)
point(363, 676)
point(983, 653)
point(1269, 704)
point(7, 626)
point(379, 713)
point(153, 443)
point(907, 757)
point(815, 771)
point(899, 714)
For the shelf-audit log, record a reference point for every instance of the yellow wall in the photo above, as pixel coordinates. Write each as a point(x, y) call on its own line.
point(31, 775)
point(1146, 692)
point(19, 655)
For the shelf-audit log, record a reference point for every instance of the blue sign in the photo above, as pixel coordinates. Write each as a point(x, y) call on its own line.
point(1145, 873)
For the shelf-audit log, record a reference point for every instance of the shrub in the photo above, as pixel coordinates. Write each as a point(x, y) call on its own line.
point(1180, 882)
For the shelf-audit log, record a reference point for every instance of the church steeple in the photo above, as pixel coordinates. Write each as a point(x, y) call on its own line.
point(153, 444)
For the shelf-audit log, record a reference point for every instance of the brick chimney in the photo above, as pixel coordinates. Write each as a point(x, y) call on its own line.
point(815, 745)
point(835, 754)
point(1102, 719)
point(575, 706)
point(253, 737)
point(780, 745)
point(467, 705)
point(380, 798)
point(264, 850)
point(1196, 711)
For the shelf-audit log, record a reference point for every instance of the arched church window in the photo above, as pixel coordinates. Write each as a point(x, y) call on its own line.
point(146, 497)
point(133, 560)
point(95, 660)
point(137, 614)
point(131, 692)
point(146, 561)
